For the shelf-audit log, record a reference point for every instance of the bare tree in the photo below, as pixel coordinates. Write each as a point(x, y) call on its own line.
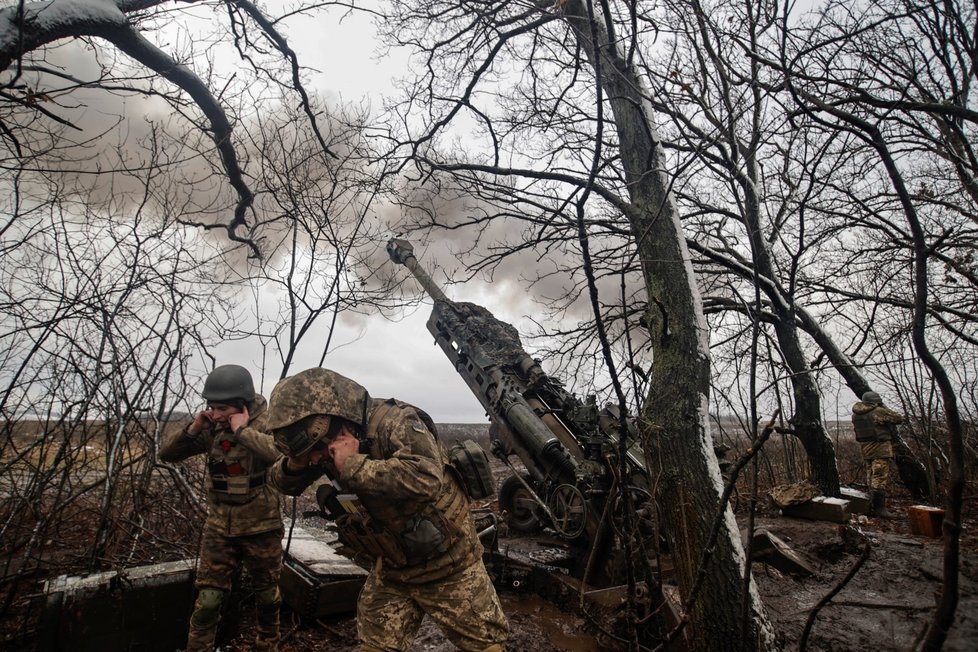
point(100, 331)
point(577, 61)
point(905, 95)
point(32, 25)
point(737, 189)
point(317, 212)
point(112, 301)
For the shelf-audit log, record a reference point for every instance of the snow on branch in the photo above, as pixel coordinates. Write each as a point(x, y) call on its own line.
point(27, 26)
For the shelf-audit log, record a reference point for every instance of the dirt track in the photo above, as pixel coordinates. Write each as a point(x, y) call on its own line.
point(886, 605)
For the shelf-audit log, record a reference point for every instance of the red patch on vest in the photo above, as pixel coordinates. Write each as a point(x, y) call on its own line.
point(235, 469)
point(226, 445)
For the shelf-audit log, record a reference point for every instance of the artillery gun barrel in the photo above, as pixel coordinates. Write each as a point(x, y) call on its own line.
point(402, 253)
point(563, 443)
point(501, 401)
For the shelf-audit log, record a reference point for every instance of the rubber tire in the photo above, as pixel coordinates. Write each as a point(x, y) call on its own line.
point(519, 517)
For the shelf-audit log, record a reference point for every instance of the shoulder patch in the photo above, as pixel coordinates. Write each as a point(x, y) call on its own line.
point(417, 426)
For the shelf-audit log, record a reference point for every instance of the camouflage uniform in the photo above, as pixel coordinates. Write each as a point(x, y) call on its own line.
point(244, 523)
point(416, 521)
point(875, 426)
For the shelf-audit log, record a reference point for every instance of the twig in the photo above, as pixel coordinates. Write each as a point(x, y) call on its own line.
point(880, 605)
point(838, 587)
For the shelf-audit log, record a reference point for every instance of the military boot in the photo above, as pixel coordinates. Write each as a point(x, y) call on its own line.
point(879, 505)
point(201, 639)
point(268, 603)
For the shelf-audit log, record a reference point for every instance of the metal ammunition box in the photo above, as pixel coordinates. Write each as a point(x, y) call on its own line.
point(316, 580)
point(144, 608)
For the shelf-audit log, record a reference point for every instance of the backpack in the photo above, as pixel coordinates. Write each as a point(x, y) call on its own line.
point(467, 461)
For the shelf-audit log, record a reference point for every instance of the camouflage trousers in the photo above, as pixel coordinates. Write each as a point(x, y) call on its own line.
point(221, 558)
point(876, 457)
point(464, 605)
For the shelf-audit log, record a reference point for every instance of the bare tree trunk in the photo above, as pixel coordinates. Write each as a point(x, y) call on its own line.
point(675, 420)
point(807, 417)
point(871, 133)
point(912, 472)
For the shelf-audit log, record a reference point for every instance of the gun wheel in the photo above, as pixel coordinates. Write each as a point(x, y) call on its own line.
point(569, 508)
point(641, 512)
point(519, 506)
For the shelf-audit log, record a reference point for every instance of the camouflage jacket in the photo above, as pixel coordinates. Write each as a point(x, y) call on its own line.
point(257, 508)
point(874, 422)
point(401, 480)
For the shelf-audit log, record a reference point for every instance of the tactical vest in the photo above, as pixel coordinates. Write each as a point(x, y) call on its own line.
point(414, 538)
point(867, 429)
point(230, 466)
point(467, 462)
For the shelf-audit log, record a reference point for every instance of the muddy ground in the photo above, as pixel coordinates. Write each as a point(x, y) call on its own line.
point(886, 605)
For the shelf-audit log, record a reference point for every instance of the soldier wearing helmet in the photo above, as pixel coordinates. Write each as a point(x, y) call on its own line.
point(875, 426)
point(244, 518)
point(413, 524)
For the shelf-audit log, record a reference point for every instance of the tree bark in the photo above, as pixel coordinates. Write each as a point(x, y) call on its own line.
point(807, 418)
point(674, 421)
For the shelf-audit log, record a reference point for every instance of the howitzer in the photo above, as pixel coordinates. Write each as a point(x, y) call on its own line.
point(568, 447)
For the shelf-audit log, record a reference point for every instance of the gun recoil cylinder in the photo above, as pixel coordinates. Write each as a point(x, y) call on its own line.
point(538, 438)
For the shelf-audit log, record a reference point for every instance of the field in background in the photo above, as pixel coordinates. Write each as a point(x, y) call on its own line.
point(782, 460)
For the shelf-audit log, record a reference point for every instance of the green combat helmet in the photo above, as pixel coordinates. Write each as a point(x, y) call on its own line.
point(229, 382)
point(872, 397)
point(309, 393)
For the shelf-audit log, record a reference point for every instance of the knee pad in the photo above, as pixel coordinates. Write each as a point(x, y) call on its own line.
point(270, 598)
point(207, 608)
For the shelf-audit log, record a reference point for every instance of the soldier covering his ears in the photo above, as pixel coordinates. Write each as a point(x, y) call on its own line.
point(415, 524)
point(244, 518)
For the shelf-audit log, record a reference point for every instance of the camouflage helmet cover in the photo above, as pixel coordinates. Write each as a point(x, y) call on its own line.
point(872, 397)
point(316, 391)
point(227, 383)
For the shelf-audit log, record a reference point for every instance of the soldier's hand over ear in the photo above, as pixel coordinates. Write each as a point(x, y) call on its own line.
point(202, 421)
point(341, 448)
point(239, 420)
point(298, 462)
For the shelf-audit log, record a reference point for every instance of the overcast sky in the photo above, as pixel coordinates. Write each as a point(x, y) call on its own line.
point(391, 359)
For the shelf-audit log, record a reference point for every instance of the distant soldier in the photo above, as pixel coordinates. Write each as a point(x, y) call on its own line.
point(415, 523)
point(244, 517)
point(875, 427)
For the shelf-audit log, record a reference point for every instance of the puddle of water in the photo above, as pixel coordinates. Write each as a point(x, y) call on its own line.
point(563, 630)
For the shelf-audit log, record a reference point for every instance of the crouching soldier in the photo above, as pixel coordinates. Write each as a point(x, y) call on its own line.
point(414, 521)
point(244, 518)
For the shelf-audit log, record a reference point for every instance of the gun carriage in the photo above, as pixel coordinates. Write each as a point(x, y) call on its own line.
point(568, 447)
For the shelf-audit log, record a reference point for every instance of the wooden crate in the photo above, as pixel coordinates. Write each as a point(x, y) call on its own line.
point(820, 508)
point(859, 501)
point(925, 520)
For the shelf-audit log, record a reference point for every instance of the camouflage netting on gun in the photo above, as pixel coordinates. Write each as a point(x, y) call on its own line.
point(479, 330)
